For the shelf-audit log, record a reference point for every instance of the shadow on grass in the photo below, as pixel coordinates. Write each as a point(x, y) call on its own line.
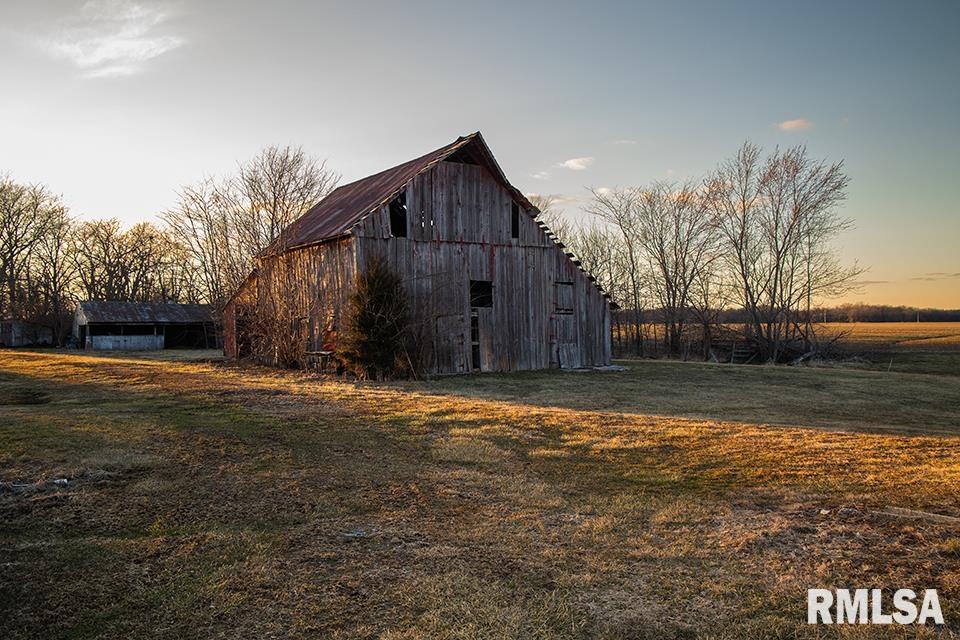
point(829, 398)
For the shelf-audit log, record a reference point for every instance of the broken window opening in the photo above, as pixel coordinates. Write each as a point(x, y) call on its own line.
point(461, 156)
point(481, 293)
point(515, 221)
point(398, 216)
point(564, 297)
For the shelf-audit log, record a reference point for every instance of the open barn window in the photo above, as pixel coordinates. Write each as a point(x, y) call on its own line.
point(398, 216)
point(564, 297)
point(515, 220)
point(481, 293)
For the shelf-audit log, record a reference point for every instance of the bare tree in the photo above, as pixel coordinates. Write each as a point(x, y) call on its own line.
point(26, 214)
point(598, 247)
point(202, 224)
point(179, 278)
point(224, 225)
point(141, 264)
point(677, 239)
point(272, 190)
point(56, 275)
point(48, 260)
point(552, 216)
point(101, 256)
point(619, 208)
point(151, 264)
point(777, 218)
point(709, 297)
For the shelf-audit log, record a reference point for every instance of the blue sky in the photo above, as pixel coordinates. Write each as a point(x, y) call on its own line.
point(115, 104)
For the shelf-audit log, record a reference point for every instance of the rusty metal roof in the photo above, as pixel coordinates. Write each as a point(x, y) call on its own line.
point(336, 214)
point(115, 311)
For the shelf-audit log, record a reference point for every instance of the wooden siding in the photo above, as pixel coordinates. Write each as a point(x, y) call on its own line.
point(459, 229)
point(545, 311)
point(243, 299)
point(309, 285)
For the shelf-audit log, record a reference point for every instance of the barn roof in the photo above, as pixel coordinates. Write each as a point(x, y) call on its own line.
point(336, 214)
point(345, 206)
point(114, 311)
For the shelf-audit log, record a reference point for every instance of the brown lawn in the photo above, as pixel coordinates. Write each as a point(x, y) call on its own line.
point(204, 499)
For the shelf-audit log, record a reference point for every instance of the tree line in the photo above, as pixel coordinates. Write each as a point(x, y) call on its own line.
point(860, 312)
point(756, 235)
point(746, 253)
point(199, 252)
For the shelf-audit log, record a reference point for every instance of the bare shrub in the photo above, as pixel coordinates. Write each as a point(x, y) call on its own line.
point(277, 322)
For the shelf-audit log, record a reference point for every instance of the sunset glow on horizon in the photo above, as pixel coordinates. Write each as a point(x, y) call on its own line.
point(117, 104)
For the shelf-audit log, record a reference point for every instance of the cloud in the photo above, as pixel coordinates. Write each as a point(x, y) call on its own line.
point(558, 199)
point(541, 175)
point(561, 200)
point(795, 125)
point(576, 164)
point(937, 275)
point(111, 38)
point(624, 141)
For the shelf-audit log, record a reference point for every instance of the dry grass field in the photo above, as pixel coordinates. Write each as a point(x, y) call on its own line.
point(918, 347)
point(932, 335)
point(203, 499)
point(910, 347)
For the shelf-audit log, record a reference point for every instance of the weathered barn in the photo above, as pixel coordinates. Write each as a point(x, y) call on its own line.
point(22, 333)
point(106, 325)
point(491, 287)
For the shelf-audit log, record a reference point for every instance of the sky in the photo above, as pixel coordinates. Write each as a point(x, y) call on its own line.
point(116, 104)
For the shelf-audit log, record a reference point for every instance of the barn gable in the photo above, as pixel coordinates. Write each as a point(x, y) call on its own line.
point(337, 214)
point(454, 201)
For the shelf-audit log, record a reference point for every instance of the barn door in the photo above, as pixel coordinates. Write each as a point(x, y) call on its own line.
point(566, 347)
point(449, 345)
point(481, 339)
point(567, 354)
point(481, 326)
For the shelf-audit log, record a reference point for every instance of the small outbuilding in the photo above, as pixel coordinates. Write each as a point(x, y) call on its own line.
point(22, 333)
point(144, 326)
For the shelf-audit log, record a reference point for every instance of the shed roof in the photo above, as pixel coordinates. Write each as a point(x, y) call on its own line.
point(115, 311)
point(336, 214)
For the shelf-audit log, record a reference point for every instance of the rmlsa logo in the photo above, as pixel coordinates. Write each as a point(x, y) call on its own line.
point(867, 606)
